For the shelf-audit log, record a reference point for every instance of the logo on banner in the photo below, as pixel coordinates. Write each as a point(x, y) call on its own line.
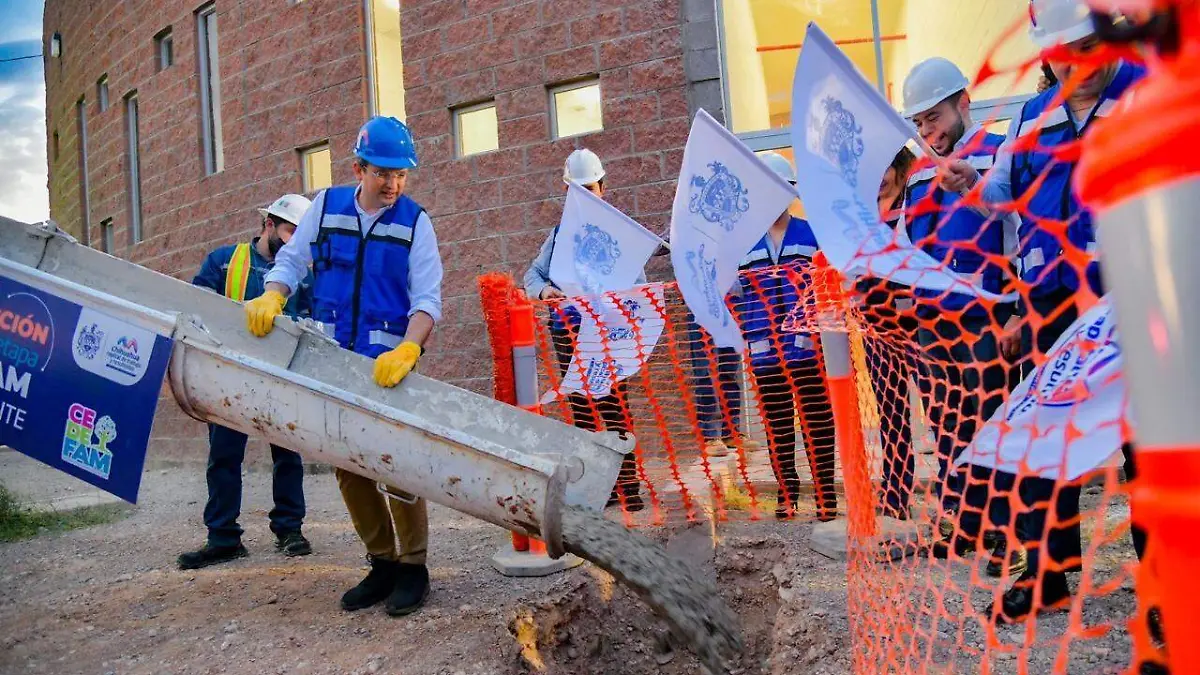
point(719, 198)
point(704, 275)
point(632, 309)
point(596, 251)
point(1072, 377)
point(89, 341)
point(124, 358)
point(26, 332)
point(839, 137)
point(86, 440)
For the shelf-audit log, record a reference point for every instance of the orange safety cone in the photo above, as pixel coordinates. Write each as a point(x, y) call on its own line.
point(1140, 172)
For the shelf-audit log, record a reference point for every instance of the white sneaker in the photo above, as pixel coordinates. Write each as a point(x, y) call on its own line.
point(716, 448)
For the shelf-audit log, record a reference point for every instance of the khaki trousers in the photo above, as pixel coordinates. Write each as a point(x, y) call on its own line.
point(379, 519)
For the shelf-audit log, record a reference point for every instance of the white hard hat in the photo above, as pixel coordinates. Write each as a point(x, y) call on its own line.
point(1057, 22)
point(288, 207)
point(929, 83)
point(583, 167)
point(780, 165)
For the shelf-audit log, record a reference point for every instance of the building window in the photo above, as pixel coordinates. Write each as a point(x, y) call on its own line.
point(106, 236)
point(164, 49)
point(316, 168)
point(134, 162)
point(476, 129)
point(883, 38)
point(210, 89)
point(84, 204)
point(56, 45)
point(54, 147)
point(102, 92)
point(575, 109)
point(385, 68)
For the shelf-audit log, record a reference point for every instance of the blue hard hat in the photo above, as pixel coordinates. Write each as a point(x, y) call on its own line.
point(387, 143)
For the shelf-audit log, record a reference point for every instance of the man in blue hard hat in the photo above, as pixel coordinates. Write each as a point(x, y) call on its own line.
point(377, 291)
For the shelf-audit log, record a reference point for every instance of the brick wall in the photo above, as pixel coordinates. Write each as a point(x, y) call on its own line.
point(291, 76)
point(492, 211)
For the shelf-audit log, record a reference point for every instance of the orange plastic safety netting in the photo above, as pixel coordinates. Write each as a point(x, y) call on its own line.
point(1009, 558)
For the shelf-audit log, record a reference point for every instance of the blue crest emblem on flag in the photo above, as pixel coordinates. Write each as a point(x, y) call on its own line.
point(89, 340)
point(720, 198)
point(840, 138)
point(704, 275)
point(596, 252)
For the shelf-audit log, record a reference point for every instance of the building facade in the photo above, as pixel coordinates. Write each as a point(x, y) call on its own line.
point(169, 121)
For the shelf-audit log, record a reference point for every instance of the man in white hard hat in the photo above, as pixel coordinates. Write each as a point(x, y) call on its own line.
point(962, 374)
point(237, 271)
point(1042, 179)
point(584, 168)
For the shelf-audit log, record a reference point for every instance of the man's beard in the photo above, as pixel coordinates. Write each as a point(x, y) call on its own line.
point(273, 245)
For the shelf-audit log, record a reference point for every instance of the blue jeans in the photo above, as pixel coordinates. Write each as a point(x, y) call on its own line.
point(226, 451)
point(964, 385)
point(718, 419)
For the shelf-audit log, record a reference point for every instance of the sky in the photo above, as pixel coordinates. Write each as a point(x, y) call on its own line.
point(23, 171)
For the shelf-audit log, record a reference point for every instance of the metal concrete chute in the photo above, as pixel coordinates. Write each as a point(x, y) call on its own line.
point(298, 389)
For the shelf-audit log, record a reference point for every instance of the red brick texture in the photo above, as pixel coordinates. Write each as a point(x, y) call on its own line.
point(492, 211)
point(293, 75)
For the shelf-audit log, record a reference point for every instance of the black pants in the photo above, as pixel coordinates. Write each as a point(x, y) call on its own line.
point(779, 387)
point(226, 452)
point(892, 364)
point(612, 409)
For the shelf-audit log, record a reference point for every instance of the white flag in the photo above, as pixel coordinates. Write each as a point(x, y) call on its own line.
point(725, 201)
point(615, 339)
point(597, 248)
point(844, 135)
point(1080, 385)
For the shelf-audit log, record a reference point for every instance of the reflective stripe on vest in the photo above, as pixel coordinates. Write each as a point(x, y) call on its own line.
point(238, 273)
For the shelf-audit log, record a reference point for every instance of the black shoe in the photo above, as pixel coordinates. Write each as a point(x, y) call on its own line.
point(292, 544)
point(963, 547)
point(1018, 601)
point(373, 589)
point(409, 591)
point(211, 555)
point(1017, 560)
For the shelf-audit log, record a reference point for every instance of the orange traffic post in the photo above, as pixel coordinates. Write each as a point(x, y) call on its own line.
point(1140, 172)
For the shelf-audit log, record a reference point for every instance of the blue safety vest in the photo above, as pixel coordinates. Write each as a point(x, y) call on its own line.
point(1041, 251)
point(360, 292)
point(769, 295)
point(960, 237)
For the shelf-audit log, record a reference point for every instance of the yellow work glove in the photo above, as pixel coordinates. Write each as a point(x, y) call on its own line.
point(261, 312)
point(393, 366)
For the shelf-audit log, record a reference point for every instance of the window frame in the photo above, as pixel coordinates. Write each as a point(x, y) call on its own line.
point(107, 239)
point(208, 61)
point(305, 153)
point(133, 169)
point(457, 114)
point(555, 90)
point(164, 49)
point(1006, 107)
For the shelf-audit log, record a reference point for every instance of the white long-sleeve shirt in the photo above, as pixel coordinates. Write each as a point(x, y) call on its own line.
point(424, 260)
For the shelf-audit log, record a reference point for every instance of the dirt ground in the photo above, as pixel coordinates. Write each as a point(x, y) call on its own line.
point(110, 600)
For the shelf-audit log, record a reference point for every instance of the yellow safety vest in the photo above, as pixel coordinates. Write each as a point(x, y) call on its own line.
point(238, 273)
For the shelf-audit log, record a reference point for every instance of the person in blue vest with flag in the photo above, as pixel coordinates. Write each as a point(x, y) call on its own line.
point(963, 377)
point(237, 271)
point(1041, 175)
point(583, 167)
point(786, 366)
point(377, 291)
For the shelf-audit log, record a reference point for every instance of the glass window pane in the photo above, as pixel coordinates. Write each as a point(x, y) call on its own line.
point(388, 77)
point(577, 111)
point(964, 32)
point(318, 169)
point(762, 44)
point(478, 131)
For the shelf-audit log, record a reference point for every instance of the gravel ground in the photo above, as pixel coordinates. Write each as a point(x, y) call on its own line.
point(109, 600)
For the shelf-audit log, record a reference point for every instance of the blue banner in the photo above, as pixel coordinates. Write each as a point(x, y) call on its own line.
point(78, 388)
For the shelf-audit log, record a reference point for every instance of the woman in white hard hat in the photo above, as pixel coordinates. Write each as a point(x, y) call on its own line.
point(237, 271)
point(584, 168)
